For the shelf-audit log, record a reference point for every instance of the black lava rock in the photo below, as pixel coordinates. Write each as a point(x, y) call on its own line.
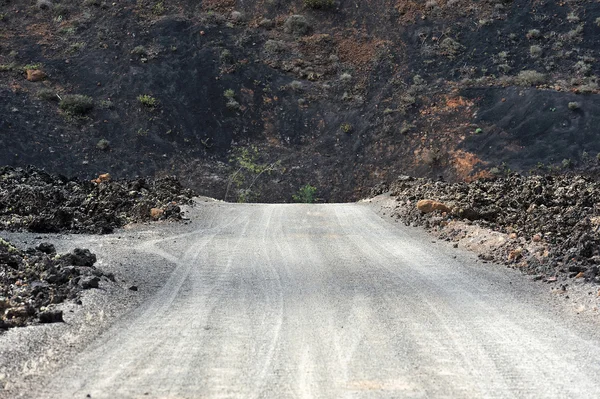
point(51, 316)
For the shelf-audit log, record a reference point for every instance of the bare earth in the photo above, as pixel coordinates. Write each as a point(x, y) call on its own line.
point(321, 301)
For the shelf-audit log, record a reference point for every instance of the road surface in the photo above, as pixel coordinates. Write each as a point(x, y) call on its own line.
point(331, 301)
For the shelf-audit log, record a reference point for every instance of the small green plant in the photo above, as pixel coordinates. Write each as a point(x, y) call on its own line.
point(76, 104)
point(8, 67)
point(346, 128)
point(31, 67)
point(572, 18)
point(47, 95)
point(147, 101)
point(535, 51)
point(75, 47)
point(573, 105)
point(478, 130)
point(248, 170)
point(2, 16)
point(530, 78)
point(566, 163)
point(142, 132)
point(533, 34)
point(139, 50)
point(158, 8)
point(305, 195)
point(106, 104)
point(226, 57)
point(450, 47)
point(319, 4)
point(103, 145)
point(231, 101)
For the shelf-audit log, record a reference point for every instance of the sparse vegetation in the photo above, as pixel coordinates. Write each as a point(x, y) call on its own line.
point(76, 104)
point(533, 34)
point(147, 101)
point(297, 25)
point(47, 95)
point(346, 128)
point(306, 194)
point(232, 103)
point(535, 51)
point(530, 78)
point(450, 47)
point(573, 105)
point(248, 169)
point(158, 8)
point(103, 145)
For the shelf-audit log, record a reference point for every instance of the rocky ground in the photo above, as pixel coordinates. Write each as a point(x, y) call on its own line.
point(33, 280)
point(33, 200)
point(547, 226)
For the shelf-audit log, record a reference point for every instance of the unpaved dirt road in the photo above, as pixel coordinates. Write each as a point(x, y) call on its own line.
point(331, 301)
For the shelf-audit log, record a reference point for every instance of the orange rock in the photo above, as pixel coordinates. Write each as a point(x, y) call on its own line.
point(104, 177)
point(512, 236)
point(35, 75)
point(156, 213)
point(515, 254)
point(536, 238)
point(427, 206)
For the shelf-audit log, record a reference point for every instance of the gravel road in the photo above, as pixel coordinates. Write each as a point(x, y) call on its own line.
point(331, 301)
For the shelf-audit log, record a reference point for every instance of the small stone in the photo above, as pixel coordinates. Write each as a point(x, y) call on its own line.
point(35, 75)
point(51, 316)
point(156, 213)
point(81, 257)
point(46, 248)
point(133, 288)
point(88, 282)
point(536, 238)
point(428, 206)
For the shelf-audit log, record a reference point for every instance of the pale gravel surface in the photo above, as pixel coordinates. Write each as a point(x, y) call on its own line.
point(323, 301)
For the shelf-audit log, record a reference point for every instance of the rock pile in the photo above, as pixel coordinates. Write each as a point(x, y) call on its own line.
point(560, 214)
point(33, 200)
point(34, 280)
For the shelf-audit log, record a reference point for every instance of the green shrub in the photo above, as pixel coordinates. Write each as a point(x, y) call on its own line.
point(346, 128)
point(103, 145)
point(573, 105)
point(533, 34)
point(297, 25)
point(535, 51)
point(305, 195)
point(319, 4)
point(76, 104)
point(147, 101)
point(47, 94)
point(158, 8)
point(530, 78)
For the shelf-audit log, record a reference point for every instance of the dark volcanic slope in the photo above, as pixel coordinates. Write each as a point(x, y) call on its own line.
point(340, 97)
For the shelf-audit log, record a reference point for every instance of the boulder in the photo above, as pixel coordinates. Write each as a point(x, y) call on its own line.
point(51, 316)
point(156, 213)
point(428, 206)
point(35, 75)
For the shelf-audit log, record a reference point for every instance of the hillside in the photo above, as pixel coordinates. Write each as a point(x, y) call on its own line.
point(252, 100)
